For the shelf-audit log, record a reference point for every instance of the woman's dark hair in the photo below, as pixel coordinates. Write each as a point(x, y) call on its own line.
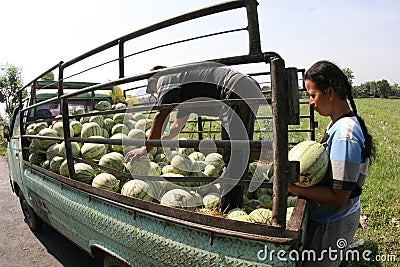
point(325, 74)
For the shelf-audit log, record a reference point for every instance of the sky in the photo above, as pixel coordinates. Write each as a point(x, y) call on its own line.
point(362, 35)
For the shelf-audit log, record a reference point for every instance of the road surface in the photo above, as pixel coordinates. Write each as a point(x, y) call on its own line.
point(19, 247)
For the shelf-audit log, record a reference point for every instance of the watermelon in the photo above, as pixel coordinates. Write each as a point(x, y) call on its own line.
point(92, 151)
point(178, 198)
point(46, 143)
point(140, 166)
point(215, 157)
point(121, 117)
point(213, 169)
point(167, 169)
point(161, 158)
point(118, 148)
point(77, 127)
point(239, 215)
point(291, 201)
point(119, 128)
point(45, 164)
point(266, 201)
point(120, 105)
point(75, 147)
point(91, 129)
point(84, 172)
point(130, 124)
point(52, 151)
point(181, 164)
point(313, 160)
point(104, 133)
point(143, 124)
point(137, 188)
point(138, 116)
point(112, 160)
point(108, 124)
point(262, 215)
point(64, 168)
point(59, 128)
point(55, 164)
point(106, 181)
point(155, 169)
point(37, 158)
point(97, 119)
point(211, 200)
point(186, 150)
point(34, 145)
point(196, 156)
point(78, 111)
point(103, 105)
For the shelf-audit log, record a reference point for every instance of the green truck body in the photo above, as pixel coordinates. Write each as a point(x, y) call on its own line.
point(129, 231)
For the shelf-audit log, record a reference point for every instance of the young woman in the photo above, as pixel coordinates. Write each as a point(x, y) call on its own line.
point(335, 202)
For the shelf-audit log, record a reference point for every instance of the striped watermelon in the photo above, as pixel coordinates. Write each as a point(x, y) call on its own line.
point(106, 181)
point(112, 160)
point(77, 127)
point(90, 129)
point(182, 164)
point(213, 169)
point(97, 119)
point(108, 124)
point(130, 124)
point(138, 116)
point(196, 156)
point(84, 172)
point(119, 128)
point(55, 164)
point(46, 143)
point(179, 198)
point(239, 215)
point(103, 105)
point(215, 157)
point(76, 149)
point(262, 215)
point(313, 160)
point(59, 128)
point(37, 158)
point(118, 148)
point(52, 151)
point(121, 117)
point(140, 166)
point(93, 151)
point(137, 188)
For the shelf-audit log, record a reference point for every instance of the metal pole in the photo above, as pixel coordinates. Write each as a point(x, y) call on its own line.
point(280, 142)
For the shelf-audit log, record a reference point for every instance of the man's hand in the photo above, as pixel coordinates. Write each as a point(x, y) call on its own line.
point(134, 154)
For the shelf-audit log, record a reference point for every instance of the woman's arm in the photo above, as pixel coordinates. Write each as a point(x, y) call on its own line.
point(321, 193)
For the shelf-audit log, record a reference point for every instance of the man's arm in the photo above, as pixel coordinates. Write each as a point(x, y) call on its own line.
point(155, 133)
point(176, 127)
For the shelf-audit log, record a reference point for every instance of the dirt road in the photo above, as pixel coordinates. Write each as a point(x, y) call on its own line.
point(19, 247)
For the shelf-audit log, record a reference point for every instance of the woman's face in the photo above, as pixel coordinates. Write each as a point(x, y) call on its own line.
point(319, 100)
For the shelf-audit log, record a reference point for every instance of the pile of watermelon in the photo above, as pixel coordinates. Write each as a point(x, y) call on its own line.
point(159, 162)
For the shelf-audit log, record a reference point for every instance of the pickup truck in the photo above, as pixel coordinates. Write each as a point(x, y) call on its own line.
point(131, 230)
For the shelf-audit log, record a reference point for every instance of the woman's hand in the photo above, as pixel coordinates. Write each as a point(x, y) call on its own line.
point(134, 154)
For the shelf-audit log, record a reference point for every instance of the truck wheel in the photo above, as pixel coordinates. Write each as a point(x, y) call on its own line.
point(110, 261)
point(33, 221)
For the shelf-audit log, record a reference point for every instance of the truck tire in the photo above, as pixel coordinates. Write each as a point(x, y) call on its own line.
point(110, 261)
point(31, 218)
